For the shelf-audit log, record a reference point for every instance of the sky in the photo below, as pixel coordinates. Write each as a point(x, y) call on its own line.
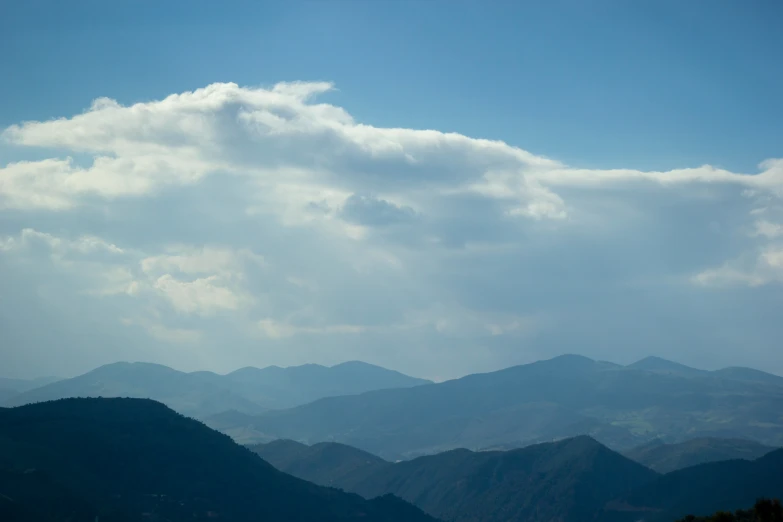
point(439, 187)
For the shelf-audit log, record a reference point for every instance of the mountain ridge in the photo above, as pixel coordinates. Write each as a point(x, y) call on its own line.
point(203, 393)
point(701, 490)
point(565, 396)
point(123, 457)
point(665, 458)
point(566, 480)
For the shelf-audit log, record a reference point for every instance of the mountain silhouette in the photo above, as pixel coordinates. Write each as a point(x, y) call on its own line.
point(130, 459)
point(567, 480)
point(201, 394)
point(665, 458)
point(701, 490)
point(621, 407)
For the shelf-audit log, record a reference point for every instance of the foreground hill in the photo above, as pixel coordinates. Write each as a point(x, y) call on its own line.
point(200, 394)
point(702, 490)
point(664, 458)
point(566, 396)
point(765, 510)
point(118, 459)
point(572, 480)
point(569, 480)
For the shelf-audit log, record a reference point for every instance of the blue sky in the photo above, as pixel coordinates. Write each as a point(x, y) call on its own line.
point(610, 83)
point(487, 258)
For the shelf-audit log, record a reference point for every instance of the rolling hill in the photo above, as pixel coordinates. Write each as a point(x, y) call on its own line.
point(568, 480)
point(665, 458)
point(701, 490)
point(326, 463)
point(620, 406)
point(133, 459)
point(200, 394)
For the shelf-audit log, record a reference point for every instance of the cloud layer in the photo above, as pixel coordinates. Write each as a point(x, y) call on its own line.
point(231, 226)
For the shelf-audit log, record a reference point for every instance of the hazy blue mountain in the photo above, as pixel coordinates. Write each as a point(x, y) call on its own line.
point(6, 394)
point(201, 394)
point(701, 490)
point(565, 396)
point(22, 385)
point(326, 463)
point(570, 480)
point(665, 458)
point(274, 387)
point(657, 364)
point(117, 459)
point(196, 394)
point(749, 375)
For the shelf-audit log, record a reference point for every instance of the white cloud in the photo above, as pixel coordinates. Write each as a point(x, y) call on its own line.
point(768, 229)
point(29, 237)
point(221, 289)
point(274, 329)
point(764, 268)
point(203, 296)
point(222, 214)
point(206, 260)
point(727, 276)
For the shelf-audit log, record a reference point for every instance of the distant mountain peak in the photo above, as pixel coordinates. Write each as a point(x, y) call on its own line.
point(572, 357)
point(134, 365)
point(568, 360)
point(659, 364)
point(355, 363)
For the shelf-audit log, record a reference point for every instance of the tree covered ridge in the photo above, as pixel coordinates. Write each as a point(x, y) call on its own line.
point(123, 458)
point(765, 510)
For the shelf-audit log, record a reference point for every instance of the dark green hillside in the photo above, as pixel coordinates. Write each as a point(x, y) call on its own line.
point(702, 490)
point(120, 458)
point(765, 510)
point(569, 480)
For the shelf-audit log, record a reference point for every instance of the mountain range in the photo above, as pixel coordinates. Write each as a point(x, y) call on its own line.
point(663, 458)
point(701, 490)
point(570, 480)
point(566, 480)
point(620, 406)
point(200, 394)
point(119, 460)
